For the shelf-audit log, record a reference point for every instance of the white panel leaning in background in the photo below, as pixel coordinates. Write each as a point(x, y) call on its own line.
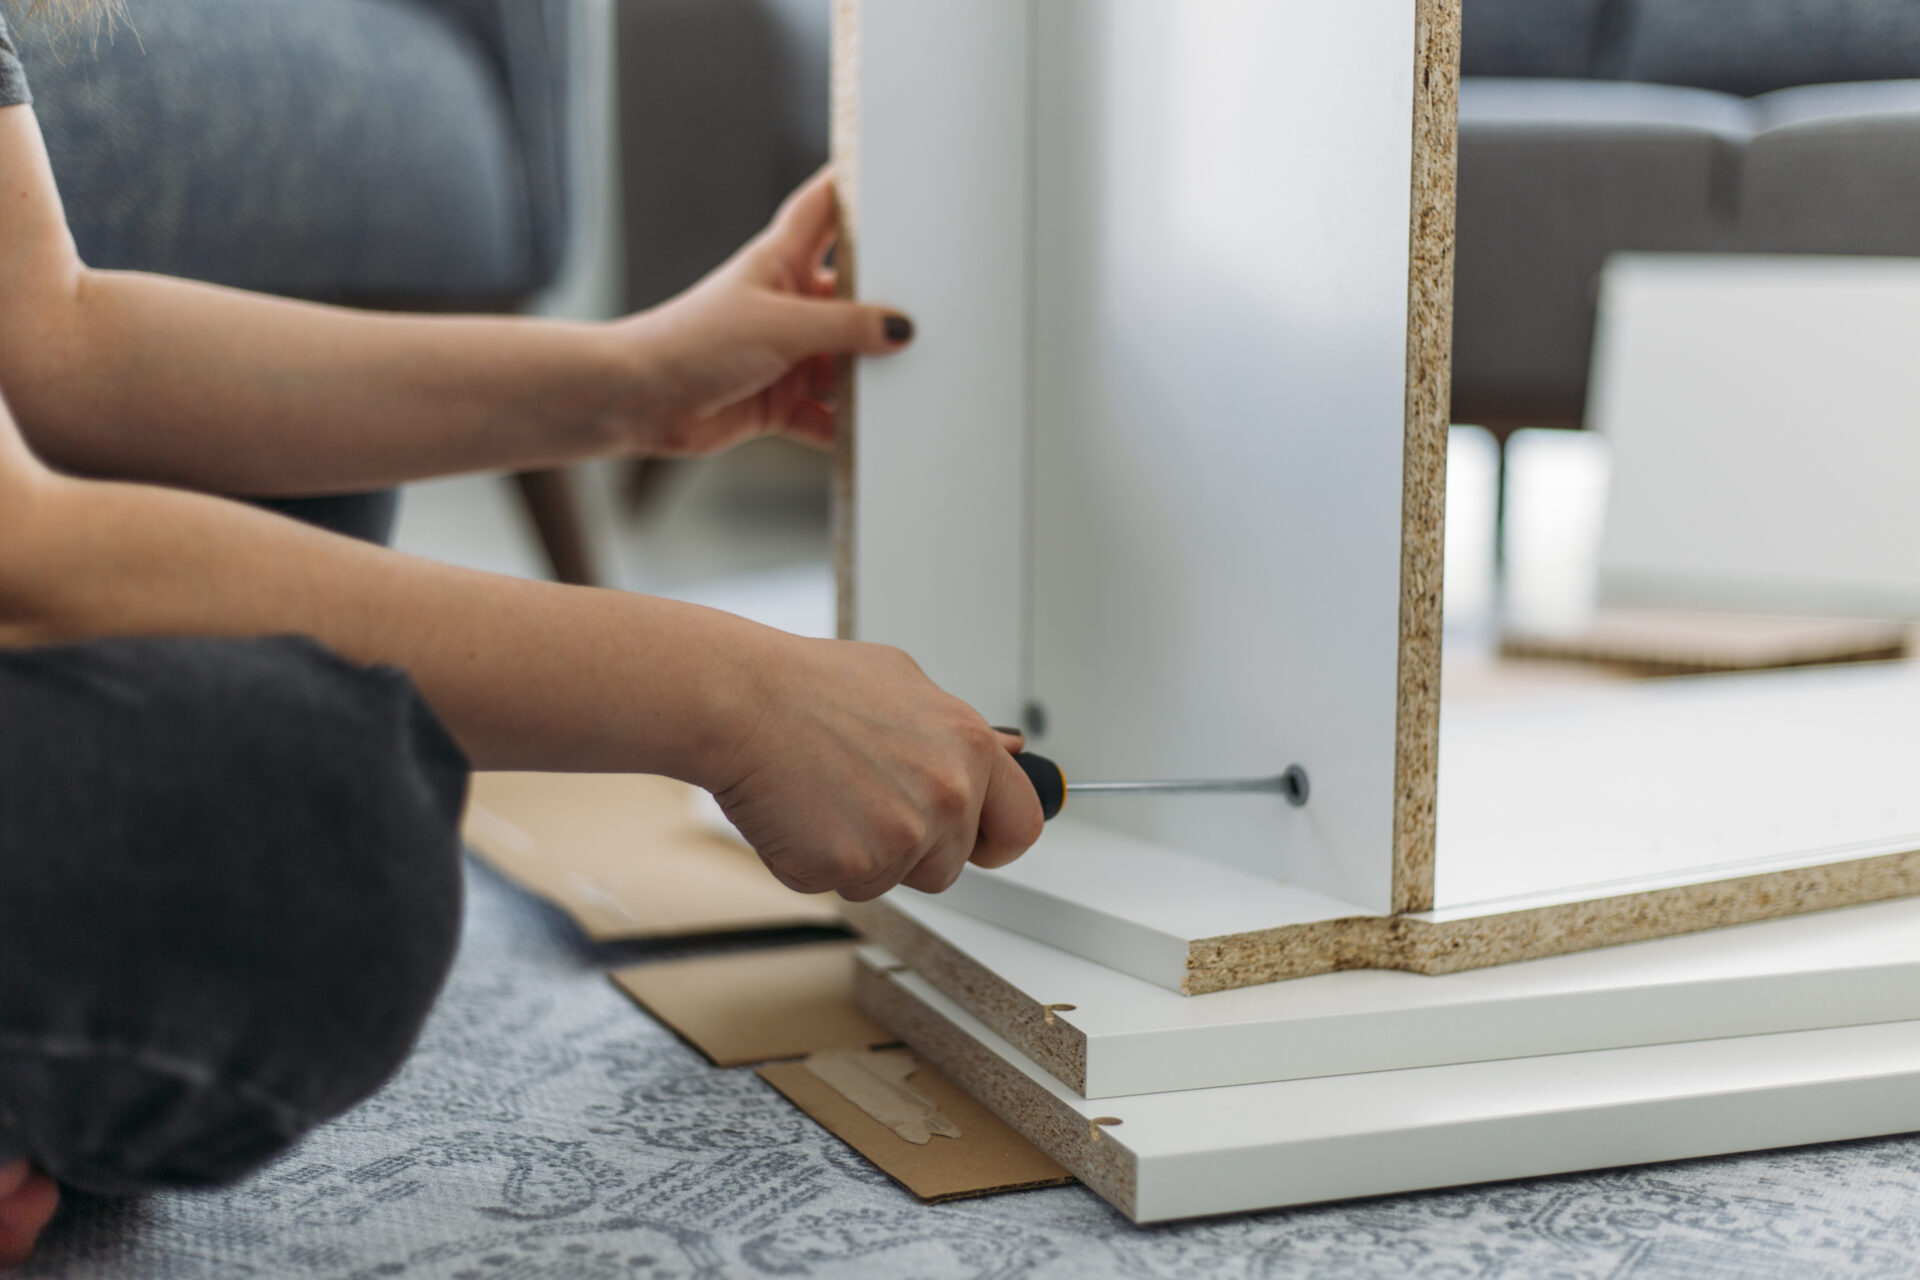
point(1764, 414)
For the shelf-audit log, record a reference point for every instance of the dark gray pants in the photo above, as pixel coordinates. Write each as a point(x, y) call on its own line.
point(229, 891)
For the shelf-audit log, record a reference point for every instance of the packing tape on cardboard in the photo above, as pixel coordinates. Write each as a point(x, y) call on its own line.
point(875, 1080)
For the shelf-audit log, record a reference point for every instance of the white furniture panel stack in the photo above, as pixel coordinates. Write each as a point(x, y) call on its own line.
point(1185, 1154)
point(1855, 966)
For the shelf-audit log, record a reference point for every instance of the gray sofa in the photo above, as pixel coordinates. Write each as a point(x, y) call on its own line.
point(1591, 126)
point(723, 110)
point(409, 154)
point(359, 151)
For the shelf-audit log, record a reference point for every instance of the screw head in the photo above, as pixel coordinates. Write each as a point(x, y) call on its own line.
point(1294, 785)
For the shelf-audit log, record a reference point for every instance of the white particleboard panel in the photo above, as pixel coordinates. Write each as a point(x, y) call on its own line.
point(941, 215)
point(1623, 788)
point(1258, 1146)
point(1839, 968)
point(1561, 797)
point(1130, 904)
point(1143, 466)
point(1764, 414)
point(1220, 346)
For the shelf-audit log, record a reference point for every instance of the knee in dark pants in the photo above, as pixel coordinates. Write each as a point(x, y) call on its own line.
point(232, 893)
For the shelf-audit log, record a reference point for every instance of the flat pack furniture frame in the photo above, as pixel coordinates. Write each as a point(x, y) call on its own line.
point(1184, 1154)
point(1163, 475)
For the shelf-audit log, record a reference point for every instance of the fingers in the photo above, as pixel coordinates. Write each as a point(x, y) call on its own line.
point(806, 225)
point(812, 327)
point(1010, 818)
point(1008, 822)
point(897, 872)
point(28, 1200)
point(812, 423)
point(820, 377)
point(813, 323)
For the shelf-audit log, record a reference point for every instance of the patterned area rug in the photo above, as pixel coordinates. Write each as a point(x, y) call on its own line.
point(547, 1128)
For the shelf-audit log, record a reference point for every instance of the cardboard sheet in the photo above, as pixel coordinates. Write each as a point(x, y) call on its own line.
point(755, 1006)
point(627, 858)
point(987, 1157)
point(1676, 642)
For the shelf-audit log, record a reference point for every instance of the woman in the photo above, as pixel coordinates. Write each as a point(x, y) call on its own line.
point(233, 748)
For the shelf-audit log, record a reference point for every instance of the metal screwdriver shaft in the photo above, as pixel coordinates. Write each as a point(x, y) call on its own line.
point(1053, 788)
point(1280, 784)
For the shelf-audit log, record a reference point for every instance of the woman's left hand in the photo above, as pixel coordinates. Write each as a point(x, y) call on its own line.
point(750, 350)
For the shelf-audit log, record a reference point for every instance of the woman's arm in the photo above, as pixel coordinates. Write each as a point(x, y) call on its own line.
point(843, 765)
point(143, 377)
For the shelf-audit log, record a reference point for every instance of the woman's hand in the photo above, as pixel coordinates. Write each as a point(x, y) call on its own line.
point(27, 1201)
point(860, 773)
point(749, 351)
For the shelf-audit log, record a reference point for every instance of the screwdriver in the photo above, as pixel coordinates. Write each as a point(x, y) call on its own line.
point(1052, 786)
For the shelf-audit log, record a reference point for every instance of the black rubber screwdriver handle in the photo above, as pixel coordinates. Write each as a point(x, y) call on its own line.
point(1048, 782)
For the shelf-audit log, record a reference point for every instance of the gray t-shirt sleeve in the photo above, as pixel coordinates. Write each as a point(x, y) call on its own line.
point(13, 77)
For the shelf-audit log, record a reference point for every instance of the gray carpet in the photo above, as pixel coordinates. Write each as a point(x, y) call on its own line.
point(546, 1128)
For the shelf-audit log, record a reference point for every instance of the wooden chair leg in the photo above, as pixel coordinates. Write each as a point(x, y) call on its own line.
point(554, 505)
point(643, 486)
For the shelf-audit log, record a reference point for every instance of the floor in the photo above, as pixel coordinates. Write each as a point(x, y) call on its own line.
point(546, 1128)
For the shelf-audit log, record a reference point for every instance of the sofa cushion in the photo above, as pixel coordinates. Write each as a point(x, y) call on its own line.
point(1835, 169)
point(1555, 175)
point(357, 150)
point(1751, 47)
point(1543, 38)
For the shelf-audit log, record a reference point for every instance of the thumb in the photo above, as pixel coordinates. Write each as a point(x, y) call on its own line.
point(821, 326)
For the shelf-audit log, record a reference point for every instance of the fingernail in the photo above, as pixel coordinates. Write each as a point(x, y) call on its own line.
point(899, 329)
point(1011, 733)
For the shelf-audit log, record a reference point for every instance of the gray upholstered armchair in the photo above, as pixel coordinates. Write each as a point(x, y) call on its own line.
point(393, 153)
point(1588, 127)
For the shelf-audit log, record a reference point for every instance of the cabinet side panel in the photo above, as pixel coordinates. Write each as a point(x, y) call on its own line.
point(1436, 82)
point(1220, 416)
point(845, 151)
point(934, 126)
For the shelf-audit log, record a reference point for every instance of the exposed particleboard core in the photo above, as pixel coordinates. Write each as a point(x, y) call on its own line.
point(1397, 942)
point(1474, 942)
point(1429, 392)
point(846, 181)
point(1102, 1162)
point(1049, 1039)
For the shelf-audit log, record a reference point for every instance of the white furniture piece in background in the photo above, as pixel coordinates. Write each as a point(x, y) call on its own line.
point(1764, 419)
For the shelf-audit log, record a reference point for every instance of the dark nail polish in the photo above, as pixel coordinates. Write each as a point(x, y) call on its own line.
point(1011, 733)
point(899, 329)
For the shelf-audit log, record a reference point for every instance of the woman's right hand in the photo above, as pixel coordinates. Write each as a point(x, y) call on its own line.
point(860, 773)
